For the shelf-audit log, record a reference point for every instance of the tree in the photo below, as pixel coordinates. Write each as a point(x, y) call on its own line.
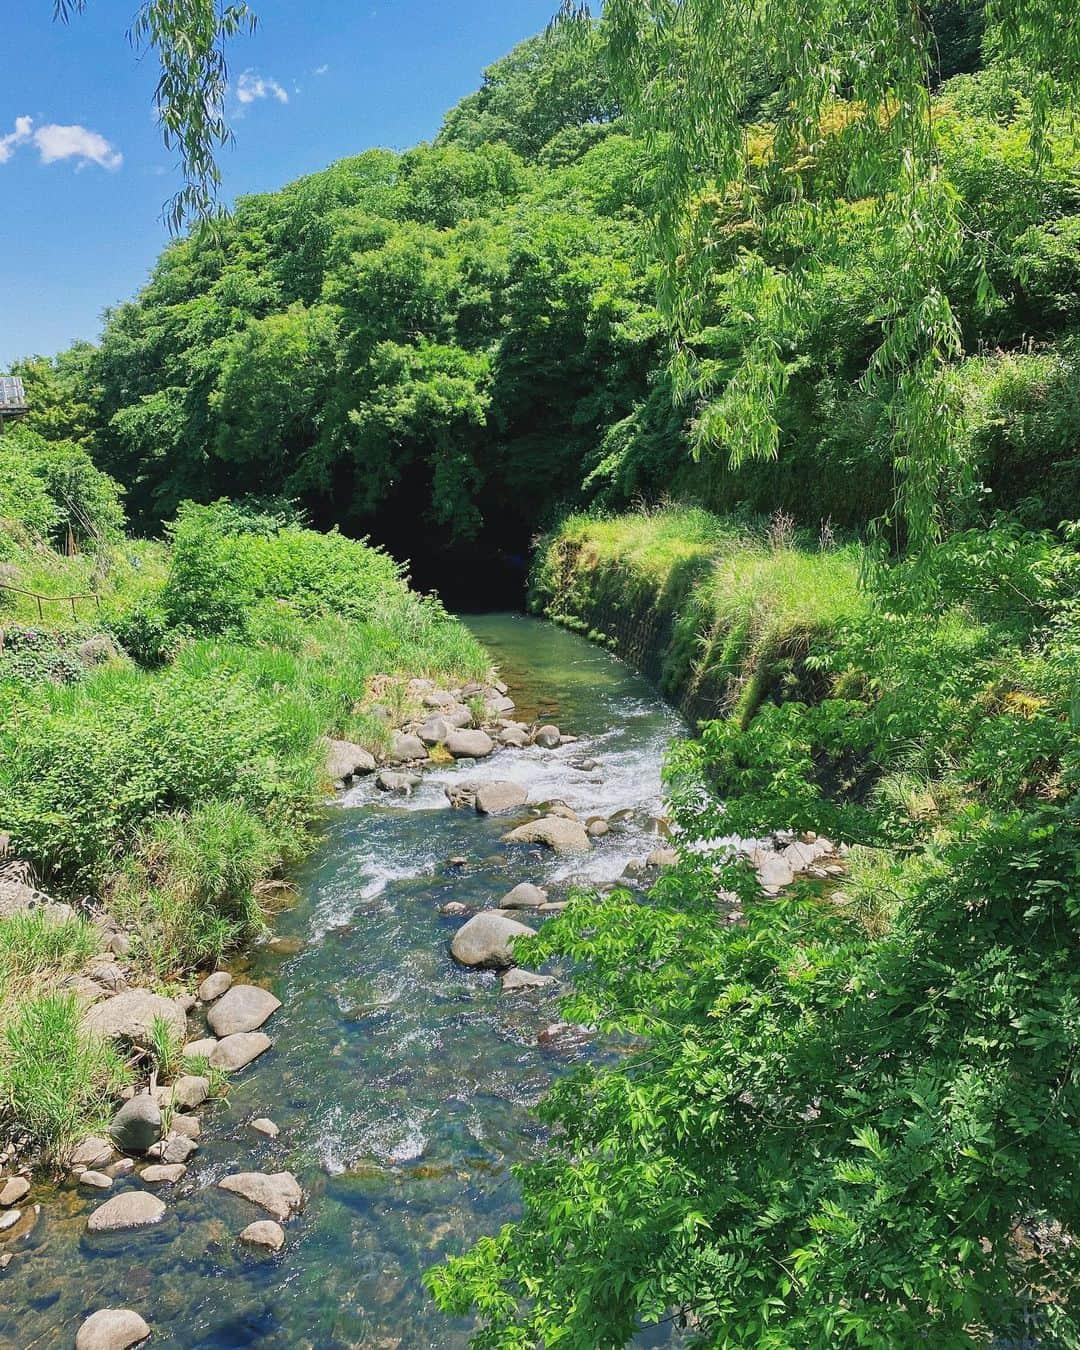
point(189, 37)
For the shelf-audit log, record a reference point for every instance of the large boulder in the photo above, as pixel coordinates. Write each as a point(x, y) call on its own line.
point(111, 1329)
point(548, 737)
point(345, 761)
point(131, 1209)
point(469, 744)
point(236, 1052)
point(492, 799)
point(486, 940)
point(406, 749)
point(137, 1125)
point(131, 1016)
point(244, 1008)
point(554, 832)
point(277, 1192)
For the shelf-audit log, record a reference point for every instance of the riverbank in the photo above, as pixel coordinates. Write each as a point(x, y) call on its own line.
point(163, 758)
point(401, 1081)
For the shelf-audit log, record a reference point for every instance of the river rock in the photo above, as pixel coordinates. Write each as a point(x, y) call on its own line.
point(561, 809)
point(500, 704)
point(108, 975)
point(235, 1052)
point(597, 827)
point(562, 836)
point(14, 1190)
point(174, 1148)
point(517, 979)
point(461, 795)
point(438, 698)
point(9, 1219)
point(189, 1126)
point(244, 1008)
point(486, 940)
point(469, 744)
point(454, 908)
point(264, 1233)
point(457, 716)
point(547, 737)
point(162, 1174)
point(93, 1151)
point(111, 1329)
point(215, 985)
point(524, 896)
point(202, 1049)
point(344, 760)
point(123, 1167)
point(513, 735)
point(405, 749)
point(137, 1125)
point(662, 857)
point(277, 1192)
point(130, 1017)
point(189, 1091)
point(563, 1036)
point(492, 799)
point(100, 1181)
point(396, 780)
point(185, 1002)
point(266, 1126)
point(132, 1209)
point(434, 731)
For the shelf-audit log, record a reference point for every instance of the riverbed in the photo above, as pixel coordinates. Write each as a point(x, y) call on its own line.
point(402, 1083)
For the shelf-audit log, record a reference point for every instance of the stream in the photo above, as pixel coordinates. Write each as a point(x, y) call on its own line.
point(401, 1082)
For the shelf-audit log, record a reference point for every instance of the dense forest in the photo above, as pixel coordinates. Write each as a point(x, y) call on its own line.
point(761, 332)
point(447, 347)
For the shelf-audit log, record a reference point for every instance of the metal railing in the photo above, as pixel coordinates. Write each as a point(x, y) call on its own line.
point(43, 600)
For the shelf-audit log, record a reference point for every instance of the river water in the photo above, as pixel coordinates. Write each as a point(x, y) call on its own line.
point(402, 1083)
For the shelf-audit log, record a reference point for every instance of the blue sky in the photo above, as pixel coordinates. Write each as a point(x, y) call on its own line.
point(83, 173)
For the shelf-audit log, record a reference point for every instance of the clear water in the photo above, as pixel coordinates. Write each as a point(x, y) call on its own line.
point(401, 1083)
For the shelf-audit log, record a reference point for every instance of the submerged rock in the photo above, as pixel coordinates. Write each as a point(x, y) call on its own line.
point(111, 1329)
point(563, 1036)
point(563, 836)
point(266, 1126)
point(244, 1008)
point(494, 798)
point(264, 1233)
point(278, 1193)
point(133, 1209)
point(486, 940)
point(517, 979)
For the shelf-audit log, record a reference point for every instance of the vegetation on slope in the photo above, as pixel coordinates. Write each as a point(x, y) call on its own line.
point(161, 754)
point(852, 1118)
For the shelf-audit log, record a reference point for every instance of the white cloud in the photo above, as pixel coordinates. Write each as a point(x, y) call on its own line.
point(320, 70)
point(251, 86)
point(54, 142)
point(15, 138)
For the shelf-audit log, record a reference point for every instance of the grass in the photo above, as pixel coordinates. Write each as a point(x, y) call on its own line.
point(735, 607)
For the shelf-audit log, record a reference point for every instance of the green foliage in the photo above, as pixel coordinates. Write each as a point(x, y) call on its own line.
point(55, 1081)
point(851, 1119)
point(53, 489)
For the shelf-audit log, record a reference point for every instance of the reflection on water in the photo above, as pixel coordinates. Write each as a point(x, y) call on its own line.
point(401, 1083)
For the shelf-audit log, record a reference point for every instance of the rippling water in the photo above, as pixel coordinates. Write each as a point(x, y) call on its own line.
point(401, 1083)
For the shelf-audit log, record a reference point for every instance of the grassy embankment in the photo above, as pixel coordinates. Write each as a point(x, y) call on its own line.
point(161, 755)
